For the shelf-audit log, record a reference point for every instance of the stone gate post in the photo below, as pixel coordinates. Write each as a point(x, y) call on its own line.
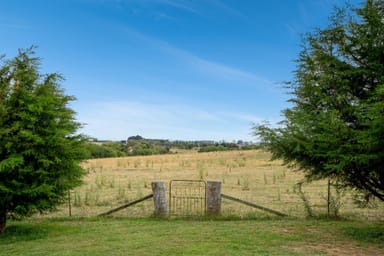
point(213, 193)
point(159, 198)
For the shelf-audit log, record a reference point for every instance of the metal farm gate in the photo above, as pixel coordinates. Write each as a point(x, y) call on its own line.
point(187, 197)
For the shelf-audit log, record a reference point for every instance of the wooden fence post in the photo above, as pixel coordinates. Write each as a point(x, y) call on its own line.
point(213, 193)
point(159, 198)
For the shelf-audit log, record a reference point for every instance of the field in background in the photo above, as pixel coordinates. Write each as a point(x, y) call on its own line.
point(248, 175)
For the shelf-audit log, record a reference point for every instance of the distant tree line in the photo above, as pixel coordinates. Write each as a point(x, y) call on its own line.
point(105, 149)
point(139, 146)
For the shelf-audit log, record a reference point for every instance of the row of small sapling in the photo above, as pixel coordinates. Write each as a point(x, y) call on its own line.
point(246, 175)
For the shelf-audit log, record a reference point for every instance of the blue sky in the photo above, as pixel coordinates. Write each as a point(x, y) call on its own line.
point(169, 69)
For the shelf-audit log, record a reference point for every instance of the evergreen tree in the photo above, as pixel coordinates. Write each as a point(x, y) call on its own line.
point(39, 150)
point(335, 127)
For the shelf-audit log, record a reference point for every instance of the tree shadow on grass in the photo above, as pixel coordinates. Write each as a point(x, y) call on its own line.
point(22, 232)
point(371, 234)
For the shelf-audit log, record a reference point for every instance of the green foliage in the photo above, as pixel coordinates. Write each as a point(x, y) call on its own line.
point(213, 148)
point(137, 145)
point(209, 146)
point(105, 150)
point(304, 198)
point(223, 146)
point(335, 127)
point(39, 150)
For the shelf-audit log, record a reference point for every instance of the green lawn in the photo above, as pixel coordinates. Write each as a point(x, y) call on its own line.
point(147, 236)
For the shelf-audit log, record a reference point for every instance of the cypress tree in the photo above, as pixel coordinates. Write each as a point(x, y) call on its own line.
point(40, 151)
point(335, 127)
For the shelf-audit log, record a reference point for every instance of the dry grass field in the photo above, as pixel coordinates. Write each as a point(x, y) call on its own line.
point(248, 175)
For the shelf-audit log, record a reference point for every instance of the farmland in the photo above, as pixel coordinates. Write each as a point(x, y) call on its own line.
point(248, 175)
point(240, 230)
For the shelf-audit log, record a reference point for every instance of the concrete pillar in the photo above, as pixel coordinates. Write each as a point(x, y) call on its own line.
point(159, 198)
point(213, 193)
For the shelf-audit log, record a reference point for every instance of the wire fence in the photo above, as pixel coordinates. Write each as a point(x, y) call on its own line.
point(302, 200)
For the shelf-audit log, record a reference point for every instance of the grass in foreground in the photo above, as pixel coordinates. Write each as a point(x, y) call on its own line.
point(147, 236)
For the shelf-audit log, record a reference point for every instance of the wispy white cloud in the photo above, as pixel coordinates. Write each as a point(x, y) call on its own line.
point(162, 16)
point(182, 5)
point(221, 70)
point(225, 8)
point(202, 65)
point(198, 7)
point(186, 6)
point(196, 63)
point(215, 69)
point(202, 7)
point(118, 120)
point(293, 29)
point(14, 26)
